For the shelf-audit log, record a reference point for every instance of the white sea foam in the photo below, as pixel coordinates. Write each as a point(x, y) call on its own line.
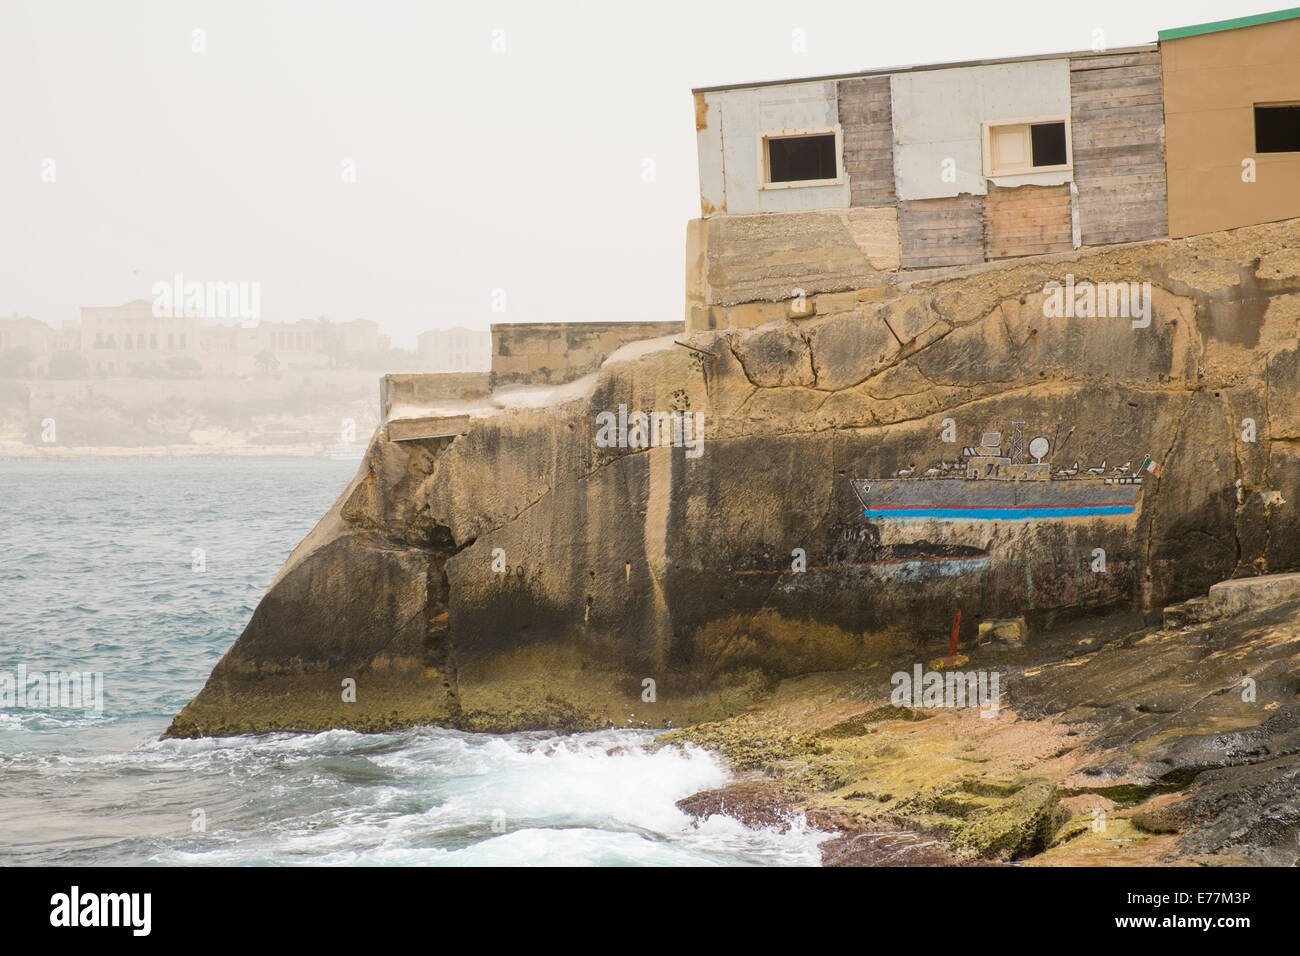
point(103, 790)
point(452, 799)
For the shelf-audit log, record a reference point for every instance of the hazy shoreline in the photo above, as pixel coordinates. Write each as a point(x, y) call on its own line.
point(117, 452)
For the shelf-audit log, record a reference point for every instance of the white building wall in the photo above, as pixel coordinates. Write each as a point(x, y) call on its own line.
point(708, 145)
point(729, 144)
point(940, 114)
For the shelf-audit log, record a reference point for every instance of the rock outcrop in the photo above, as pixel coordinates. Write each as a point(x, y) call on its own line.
point(523, 575)
point(1112, 744)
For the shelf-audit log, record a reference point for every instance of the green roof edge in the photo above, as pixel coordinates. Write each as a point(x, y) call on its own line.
point(1221, 25)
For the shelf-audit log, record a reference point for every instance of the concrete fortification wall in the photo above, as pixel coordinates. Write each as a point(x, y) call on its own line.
point(540, 569)
point(552, 353)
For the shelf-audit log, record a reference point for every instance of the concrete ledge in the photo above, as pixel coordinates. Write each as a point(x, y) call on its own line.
point(443, 426)
point(1242, 594)
point(428, 388)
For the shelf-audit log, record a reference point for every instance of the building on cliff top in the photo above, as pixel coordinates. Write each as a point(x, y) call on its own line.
point(839, 183)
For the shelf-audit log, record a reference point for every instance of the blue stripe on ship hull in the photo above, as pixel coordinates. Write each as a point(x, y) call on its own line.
point(996, 514)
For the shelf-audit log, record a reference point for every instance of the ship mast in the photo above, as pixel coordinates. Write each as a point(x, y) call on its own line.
point(1017, 443)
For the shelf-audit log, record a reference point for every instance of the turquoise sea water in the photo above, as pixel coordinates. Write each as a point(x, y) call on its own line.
point(97, 573)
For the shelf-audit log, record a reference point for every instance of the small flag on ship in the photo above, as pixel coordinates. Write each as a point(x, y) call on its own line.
point(1149, 465)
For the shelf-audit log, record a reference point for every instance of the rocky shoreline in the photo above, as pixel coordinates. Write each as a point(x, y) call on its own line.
point(763, 586)
point(1117, 744)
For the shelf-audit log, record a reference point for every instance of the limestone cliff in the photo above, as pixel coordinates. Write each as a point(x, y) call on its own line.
point(523, 576)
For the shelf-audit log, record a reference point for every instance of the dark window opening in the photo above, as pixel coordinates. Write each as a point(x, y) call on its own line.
point(1048, 142)
point(793, 159)
point(1277, 129)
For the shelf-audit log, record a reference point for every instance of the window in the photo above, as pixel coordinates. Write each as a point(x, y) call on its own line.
point(1027, 147)
point(800, 158)
point(1277, 128)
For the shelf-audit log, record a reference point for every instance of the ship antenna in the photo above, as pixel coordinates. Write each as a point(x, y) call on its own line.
point(1061, 447)
point(1017, 443)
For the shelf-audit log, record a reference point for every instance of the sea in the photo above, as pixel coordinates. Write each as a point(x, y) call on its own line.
point(139, 574)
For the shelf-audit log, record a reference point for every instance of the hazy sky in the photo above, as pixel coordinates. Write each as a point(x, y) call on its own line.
point(476, 170)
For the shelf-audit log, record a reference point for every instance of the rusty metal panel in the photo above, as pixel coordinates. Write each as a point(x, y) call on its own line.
point(708, 143)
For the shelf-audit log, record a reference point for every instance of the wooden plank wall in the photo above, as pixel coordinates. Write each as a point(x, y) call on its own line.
point(867, 121)
point(941, 232)
point(1027, 221)
point(1117, 125)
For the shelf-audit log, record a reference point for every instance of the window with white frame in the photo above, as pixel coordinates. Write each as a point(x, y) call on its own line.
point(806, 157)
point(1027, 146)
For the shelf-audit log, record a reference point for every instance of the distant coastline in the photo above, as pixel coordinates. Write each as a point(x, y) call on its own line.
point(22, 452)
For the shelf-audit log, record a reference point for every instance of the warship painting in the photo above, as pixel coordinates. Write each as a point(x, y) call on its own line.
point(988, 483)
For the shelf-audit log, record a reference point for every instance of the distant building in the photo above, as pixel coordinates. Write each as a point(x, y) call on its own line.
point(115, 338)
point(130, 339)
point(456, 350)
point(27, 333)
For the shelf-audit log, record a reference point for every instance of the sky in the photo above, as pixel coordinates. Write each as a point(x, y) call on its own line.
point(423, 165)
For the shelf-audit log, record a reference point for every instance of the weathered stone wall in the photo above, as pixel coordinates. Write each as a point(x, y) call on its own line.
point(551, 353)
point(733, 260)
point(525, 575)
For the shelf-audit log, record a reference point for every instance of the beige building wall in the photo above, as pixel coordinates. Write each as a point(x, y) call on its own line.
point(1211, 85)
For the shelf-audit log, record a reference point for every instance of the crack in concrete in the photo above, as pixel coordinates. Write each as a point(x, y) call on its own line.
point(1239, 483)
point(731, 346)
point(899, 357)
point(1151, 508)
point(812, 364)
point(515, 517)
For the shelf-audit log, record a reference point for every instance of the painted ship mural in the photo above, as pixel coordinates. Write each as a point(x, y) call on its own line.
point(991, 483)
